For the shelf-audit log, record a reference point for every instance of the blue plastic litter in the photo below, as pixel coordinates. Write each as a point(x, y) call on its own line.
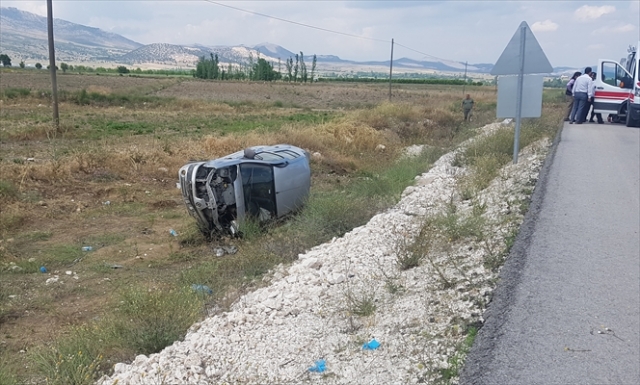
point(371, 345)
point(202, 289)
point(319, 366)
point(43, 269)
point(87, 248)
point(173, 232)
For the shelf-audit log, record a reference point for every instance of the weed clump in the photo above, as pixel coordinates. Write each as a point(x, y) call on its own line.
point(147, 321)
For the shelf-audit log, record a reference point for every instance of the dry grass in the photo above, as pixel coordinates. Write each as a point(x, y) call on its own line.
point(107, 179)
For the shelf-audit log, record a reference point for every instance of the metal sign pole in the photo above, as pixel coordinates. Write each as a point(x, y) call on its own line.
point(516, 139)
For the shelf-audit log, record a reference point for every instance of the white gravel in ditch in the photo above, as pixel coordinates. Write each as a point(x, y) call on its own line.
point(277, 333)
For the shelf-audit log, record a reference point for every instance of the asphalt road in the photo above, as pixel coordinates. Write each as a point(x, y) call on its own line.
point(567, 307)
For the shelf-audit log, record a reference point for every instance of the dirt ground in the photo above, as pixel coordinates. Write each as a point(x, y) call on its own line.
point(316, 96)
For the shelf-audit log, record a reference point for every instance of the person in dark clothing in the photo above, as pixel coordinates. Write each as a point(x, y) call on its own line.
point(597, 114)
point(569, 94)
point(467, 106)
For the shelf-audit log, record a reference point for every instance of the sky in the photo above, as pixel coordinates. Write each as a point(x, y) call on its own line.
point(571, 33)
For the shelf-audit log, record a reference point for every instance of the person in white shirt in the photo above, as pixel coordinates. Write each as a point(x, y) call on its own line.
point(582, 93)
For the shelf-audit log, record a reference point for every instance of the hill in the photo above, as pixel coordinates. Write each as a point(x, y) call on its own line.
point(23, 37)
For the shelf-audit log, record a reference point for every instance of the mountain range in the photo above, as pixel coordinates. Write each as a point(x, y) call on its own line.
point(23, 37)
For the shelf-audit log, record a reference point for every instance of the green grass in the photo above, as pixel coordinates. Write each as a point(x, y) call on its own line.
point(62, 255)
point(362, 305)
point(455, 226)
point(392, 180)
point(102, 240)
point(332, 213)
point(7, 374)
point(83, 97)
point(487, 155)
point(147, 321)
point(14, 93)
point(268, 122)
point(456, 361)
point(73, 359)
point(35, 236)
point(126, 209)
point(99, 126)
point(8, 190)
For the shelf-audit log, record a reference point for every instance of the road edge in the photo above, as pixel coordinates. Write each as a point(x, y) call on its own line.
point(510, 276)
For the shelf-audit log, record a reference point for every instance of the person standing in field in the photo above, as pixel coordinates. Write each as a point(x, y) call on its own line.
point(467, 106)
point(569, 94)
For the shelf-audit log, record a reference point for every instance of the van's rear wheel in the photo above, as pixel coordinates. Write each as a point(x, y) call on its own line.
point(631, 120)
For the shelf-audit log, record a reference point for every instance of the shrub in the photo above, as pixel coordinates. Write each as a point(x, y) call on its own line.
point(74, 359)
point(148, 321)
point(362, 305)
point(13, 93)
point(8, 190)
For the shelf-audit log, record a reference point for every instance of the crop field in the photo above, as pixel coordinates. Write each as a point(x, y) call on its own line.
point(106, 178)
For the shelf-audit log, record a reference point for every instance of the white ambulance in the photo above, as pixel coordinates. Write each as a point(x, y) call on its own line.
point(618, 89)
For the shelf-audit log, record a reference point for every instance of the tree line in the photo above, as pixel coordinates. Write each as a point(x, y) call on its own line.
point(260, 69)
point(454, 82)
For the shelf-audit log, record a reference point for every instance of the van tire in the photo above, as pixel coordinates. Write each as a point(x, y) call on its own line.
point(630, 121)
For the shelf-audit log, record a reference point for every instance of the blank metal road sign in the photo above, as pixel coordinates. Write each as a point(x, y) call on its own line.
point(536, 61)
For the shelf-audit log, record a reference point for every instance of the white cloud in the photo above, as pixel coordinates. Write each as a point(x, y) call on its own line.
point(595, 47)
point(625, 28)
point(589, 12)
point(544, 26)
point(611, 30)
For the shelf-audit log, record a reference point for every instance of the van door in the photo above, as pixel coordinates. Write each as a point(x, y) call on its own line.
point(613, 87)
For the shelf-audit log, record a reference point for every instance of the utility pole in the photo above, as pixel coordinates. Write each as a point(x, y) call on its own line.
point(465, 78)
point(52, 66)
point(390, 69)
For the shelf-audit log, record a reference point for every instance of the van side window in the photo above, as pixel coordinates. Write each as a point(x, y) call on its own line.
point(615, 75)
point(608, 73)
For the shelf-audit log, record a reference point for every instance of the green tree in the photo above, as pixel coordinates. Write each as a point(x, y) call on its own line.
point(208, 69)
point(263, 70)
point(303, 69)
point(251, 74)
point(122, 70)
point(313, 66)
point(22, 64)
point(64, 67)
point(289, 66)
point(296, 68)
point(39, 66)
point(5, 60)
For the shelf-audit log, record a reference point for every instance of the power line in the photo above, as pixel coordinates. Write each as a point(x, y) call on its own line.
point(326, 30)
point(426, 54)
point(297, 23)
